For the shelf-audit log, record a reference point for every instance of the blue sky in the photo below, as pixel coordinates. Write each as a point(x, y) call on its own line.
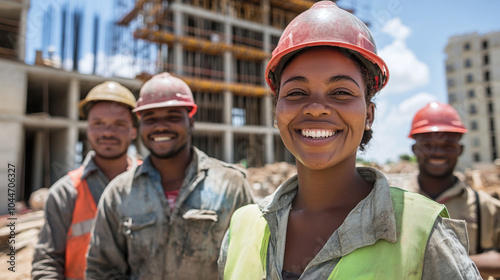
point(411, 36)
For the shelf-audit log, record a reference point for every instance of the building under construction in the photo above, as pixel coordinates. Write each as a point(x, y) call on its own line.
point(219, 47)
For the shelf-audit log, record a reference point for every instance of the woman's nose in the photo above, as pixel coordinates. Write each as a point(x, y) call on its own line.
point(317, 107)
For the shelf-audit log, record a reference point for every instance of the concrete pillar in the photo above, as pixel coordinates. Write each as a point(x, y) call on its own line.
point(63, 143)
point(228, 140)
point(228, 105)
point(73, 99)
point(266, 9)
point(178, 49)
point(178, 59)
point(228, 78)
point(21, 37)
point(37, 164)
point(267, 110)
point(228, 56)
point(268, 117)
point(13, 79)
point(228, 146)
point(266, 43)
point(72, 132)
point(12, 139)
point(72, 139)
point(269, 146)
point(62, 152)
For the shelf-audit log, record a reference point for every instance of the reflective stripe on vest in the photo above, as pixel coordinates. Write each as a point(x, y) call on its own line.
point(82, 228)
point(415, 218)
point(78, 237)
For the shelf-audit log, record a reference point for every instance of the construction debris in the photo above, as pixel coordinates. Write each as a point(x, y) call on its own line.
point(18, 236)
point(23, 223)
point(265, 180)
point(38, 198)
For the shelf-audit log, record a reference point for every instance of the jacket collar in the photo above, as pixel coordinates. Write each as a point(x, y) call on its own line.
point(199, 163)
point(372, 219)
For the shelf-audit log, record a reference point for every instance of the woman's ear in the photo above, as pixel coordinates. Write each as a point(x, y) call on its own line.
point(370, 115)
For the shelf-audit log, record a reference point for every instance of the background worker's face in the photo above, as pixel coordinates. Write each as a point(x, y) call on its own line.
point(166, 131)
point(321, 109)
point(437, 153)
point(110, 129)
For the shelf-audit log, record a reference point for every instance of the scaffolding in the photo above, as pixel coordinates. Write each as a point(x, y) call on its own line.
point(11, 26)
point(8, 32)
point(220, 49)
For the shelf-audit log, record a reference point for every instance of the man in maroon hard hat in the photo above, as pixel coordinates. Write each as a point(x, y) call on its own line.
point(166, 219)
point(437, 130)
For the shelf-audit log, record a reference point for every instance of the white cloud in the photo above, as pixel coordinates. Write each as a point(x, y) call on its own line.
point(393, 117)
point(415, 103)
point(86, 64)
point(107, 66)
point(391, 128)
point(396, 29)
point(406, 71)
point(122, 66)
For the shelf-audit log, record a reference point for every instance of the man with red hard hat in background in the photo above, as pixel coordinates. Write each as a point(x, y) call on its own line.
point(166, 219)
point(437, 130)
point(71, 206)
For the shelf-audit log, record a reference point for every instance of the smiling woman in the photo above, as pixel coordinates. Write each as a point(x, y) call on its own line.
point(316, 100)
point(333, 220)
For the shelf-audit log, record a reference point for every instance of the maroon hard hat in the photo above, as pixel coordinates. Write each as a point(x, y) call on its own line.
point(165, 90)
point(325, 24)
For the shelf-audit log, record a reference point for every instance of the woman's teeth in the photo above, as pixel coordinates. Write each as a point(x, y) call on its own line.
point(317, 133)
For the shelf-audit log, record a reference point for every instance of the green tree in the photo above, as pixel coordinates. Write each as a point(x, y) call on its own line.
point(406, 157)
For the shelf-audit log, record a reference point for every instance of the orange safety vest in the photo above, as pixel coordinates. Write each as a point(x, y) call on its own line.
point(78, 237)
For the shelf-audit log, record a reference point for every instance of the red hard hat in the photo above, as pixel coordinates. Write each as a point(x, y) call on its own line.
point(437, 117)
point(325, 24)
point(165, 90)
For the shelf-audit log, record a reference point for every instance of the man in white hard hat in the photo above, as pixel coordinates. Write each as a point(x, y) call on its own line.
point(166, 219)
point(71, 206)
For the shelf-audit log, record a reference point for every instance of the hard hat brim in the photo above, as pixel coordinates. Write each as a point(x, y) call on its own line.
point(372, 57)
point(170, 103)
point(437, 128)
point(85, 103)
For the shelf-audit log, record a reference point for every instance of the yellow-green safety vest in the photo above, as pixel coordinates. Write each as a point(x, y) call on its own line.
point(415, 218)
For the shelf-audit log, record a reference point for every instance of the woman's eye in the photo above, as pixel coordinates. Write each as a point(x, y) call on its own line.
point(341, 92)
point(295, 94)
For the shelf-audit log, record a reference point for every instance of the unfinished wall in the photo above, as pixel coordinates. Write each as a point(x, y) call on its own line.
point(13, 96)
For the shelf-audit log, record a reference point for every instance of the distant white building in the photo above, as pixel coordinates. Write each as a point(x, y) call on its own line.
point(473, 82)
